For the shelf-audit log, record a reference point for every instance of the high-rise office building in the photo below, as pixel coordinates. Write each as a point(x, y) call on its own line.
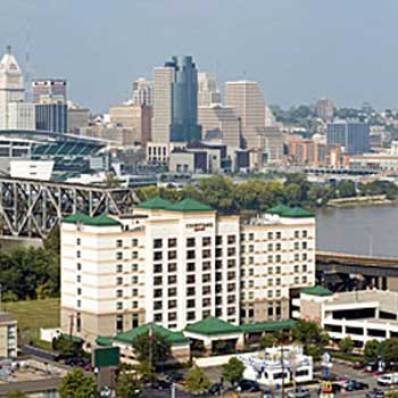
point(353, 136)
point(175, 102)
point(142, 92)
point(247, 100)
point(208, 93)
point(52, 117)
point(11, 86)
point(21, 116)
point(220, 123)
point(324, 108)
point(43, 89)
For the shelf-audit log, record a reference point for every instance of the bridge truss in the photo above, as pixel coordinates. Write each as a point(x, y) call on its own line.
point(32, 208)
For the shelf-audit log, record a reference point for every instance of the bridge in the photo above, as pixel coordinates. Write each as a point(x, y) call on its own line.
point(32, 208)
point(381, 272)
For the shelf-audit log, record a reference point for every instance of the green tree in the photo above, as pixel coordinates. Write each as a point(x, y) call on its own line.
point(346, 345)
point(152, 348)
point(389, 351)
point(16, 394)
point(372, 349)
point(267, 341)
point(346, 189)
point(76, 384)
point(233, 370)
point(312, 337)
point(197, 381)
point(146, 370)
point(127, 385)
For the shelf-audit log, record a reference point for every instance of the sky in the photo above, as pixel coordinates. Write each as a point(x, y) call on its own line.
point(299, 50)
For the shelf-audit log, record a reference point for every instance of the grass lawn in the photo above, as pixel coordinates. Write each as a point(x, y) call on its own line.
point(33, 315)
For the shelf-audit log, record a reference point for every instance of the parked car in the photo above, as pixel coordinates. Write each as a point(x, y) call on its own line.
point(300, 392)
point(388, 379)
point(175, 377)
point(354, 385)
point(248, 386)
point(161, 385)
point(216, 389)
point(375, 393)
point(358, 365)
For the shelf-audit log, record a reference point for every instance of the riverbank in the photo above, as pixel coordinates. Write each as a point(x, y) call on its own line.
point(360, 201)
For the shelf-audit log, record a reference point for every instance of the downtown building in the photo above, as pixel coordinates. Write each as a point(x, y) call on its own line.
point(176, 264)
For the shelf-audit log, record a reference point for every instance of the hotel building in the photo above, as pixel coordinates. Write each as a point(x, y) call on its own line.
point(175, 264)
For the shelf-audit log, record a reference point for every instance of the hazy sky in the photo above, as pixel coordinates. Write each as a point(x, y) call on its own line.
point(298, 49)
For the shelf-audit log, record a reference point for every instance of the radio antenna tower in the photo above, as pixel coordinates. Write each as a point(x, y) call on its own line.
point(28, 66)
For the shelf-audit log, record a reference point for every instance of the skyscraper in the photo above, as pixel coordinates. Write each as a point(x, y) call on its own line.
point(11, 86)
point(353, 136)
point(246, 99)
point(208, 93)
point(176, 102)
point(42, 89)
point(142, 92)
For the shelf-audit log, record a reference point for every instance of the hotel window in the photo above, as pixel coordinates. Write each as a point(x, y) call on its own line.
point(242, 237)
point(270, 281)
point(296, 245)
point(270, 259)
point(231, 239)
point(304, 257)
point(119, 268)
point(134, 242)
point(270, 235)
point(218, 276)
point(206, 253)
point(172, 316)
point(231, 299)
point(119, 305)
point(134, 279)
point(270, 270)
point(190, 267)
point(79, 291)
point(134, 320)
point(251, 284)
point(78, 254)
point(157, 318)
point(218, 240)
point(206, 265)
point(172, 292)
point(157, 268)
point(278, 293)
point(134, 292)
point(304, 245)
point(304, 279)
point(172, 255)
point(304, 234)
point(206, 241)
point(251, 271)
point(304, 268)
point(157, 243)
point(190, 242)
point(206, 290)
point(119, 243)
point(231, 263)
point(191, 303)
point(278, 258)
point(278, 235)
point(190, 254)
point(119, 293)
point(251, 260)
point(172, 242)
point(278, 246)
point(206, 278)
point(78, 241)
point(296, 268)
point(231, 287)
point(119, 323)
point(134, 267)
point(172, 303)
point(157, 305)
point(278, 269)
point(231, 275)
point(231, 251)
point(134, 304)
point(206, 302)
point(119, 256)
point(231, 311)
point(296, 279)
point(157, 256)
point(78, 278)
point(79, 303)
point(296, 234)
point(218, 312)
point(157, 280)
point(251, 236)
point(218, 252)
point(191, 291)
point(78, 266)
point(206, 314)
point(269, 293)
point(119, 281)
point(218, 300)
point(242, 261)
point(191, 316)
point(190, 278)
point(172, 267)
point(251, 248)
point(296, 257)
point(172, 279)
point(78, 322)
point(270, 311)
point(270, 247)
point(278, 281)
point(134, 255)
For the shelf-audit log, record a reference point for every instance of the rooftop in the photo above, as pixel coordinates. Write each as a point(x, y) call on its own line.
point(290, 212)
point(155, 203)
point(212, 326)
point(317, 291)
point(98, 221)
point(268, 326)
point(185, 205)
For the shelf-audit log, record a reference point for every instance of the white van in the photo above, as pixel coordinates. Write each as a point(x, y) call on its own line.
point(388, 379)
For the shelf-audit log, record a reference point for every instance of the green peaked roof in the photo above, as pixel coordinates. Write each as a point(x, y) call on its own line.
point(290, 212)
point(317, 291)
point(189, 204)
point(155, 203)
point(170, 336)
point(99, 221)
point(267, 326)
point(212, 326)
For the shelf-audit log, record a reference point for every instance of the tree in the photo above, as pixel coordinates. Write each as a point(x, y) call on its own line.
point(346, 345)
point(197, 381)
point(267, 341)
point(16, 394)
point(76, 384)
point(67, 346)
point(233, 370)
point(152, 348)
point(372, 349)
point(389, 351)
point(127, 384)
point(312, 337)
point(146, 370)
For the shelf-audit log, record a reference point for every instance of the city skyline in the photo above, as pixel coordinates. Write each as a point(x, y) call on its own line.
point(294, 51)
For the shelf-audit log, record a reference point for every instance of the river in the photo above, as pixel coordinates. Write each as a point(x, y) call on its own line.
point(367, 230)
